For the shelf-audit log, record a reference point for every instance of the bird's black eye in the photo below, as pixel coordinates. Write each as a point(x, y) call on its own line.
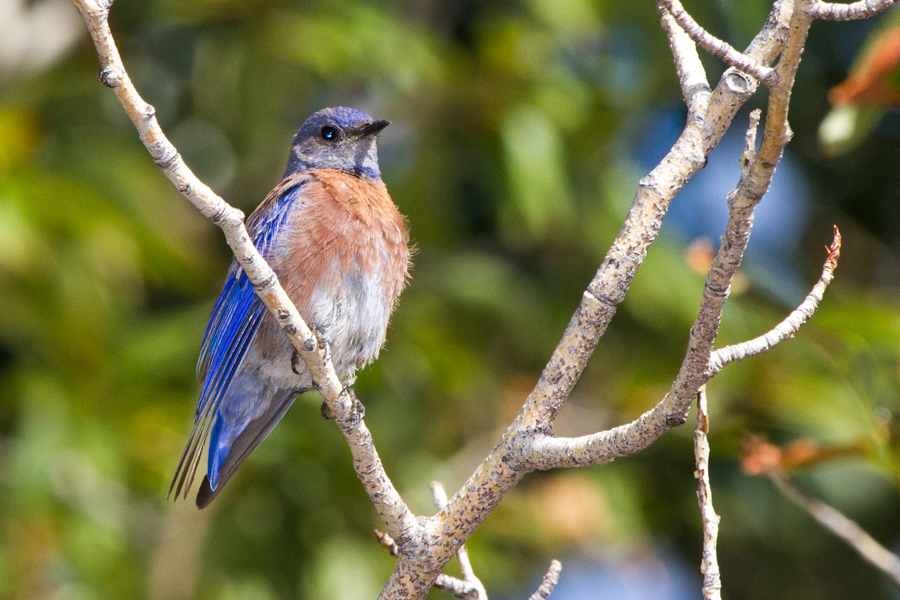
point(329, 133)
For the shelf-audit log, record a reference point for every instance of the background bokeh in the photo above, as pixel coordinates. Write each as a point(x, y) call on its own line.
point(520, 130)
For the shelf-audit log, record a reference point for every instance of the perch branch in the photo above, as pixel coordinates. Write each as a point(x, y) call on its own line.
point(787, 328)
point(393, 511)
point(841, 526)
point(709, 566)
point(425, 545)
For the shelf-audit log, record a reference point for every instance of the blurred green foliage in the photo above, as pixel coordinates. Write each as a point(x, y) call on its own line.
point(512, 154)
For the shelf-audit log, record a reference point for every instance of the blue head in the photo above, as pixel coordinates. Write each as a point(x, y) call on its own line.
point(337, 138)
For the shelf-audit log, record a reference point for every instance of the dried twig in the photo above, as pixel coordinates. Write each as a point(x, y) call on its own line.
point(841, 526)
point(709, 565)
point(787, 328)
point(456, 587)
point(548, 582)
point(439, 497)
point(831, 11)
point(511, 458)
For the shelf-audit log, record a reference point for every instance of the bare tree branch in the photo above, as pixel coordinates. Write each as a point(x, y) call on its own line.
point(717, 47)
point(543, 451)
point(841, 526)
point(401, 523)
point(425, 545)
point(709, 565)
point(506, 464)
point(787, 328)
point(549, 581)
point(831, 11)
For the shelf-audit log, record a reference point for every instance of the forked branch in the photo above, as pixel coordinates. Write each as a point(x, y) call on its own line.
point(425, 545)
point(718, 48)
point(787, 328)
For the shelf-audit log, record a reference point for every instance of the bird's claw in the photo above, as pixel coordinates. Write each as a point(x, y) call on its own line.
point(357, 409)
point(297, 364)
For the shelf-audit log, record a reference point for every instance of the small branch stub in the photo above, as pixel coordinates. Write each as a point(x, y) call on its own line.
point(549, 581)
point(709, 566)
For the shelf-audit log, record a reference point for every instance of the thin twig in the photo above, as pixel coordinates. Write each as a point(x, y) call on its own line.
point(831, 11)
point(709, 565)
point(548, 582)
point(400, 521)
point(456, 587)
point(470, 587)
point(841, 526)
point(787, 328)
point(719, 48)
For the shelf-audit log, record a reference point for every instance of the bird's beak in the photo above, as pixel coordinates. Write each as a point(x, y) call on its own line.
point(373, 128)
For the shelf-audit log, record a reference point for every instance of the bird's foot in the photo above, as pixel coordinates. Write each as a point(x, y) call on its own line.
point(357, 409)
point(319, 333)
point(297, 363)
point(326, 412)
point(298, 366)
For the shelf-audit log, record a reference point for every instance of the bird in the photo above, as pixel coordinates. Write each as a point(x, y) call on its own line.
point(340, 249)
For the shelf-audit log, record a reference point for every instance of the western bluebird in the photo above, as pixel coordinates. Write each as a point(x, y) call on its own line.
point(339, 247)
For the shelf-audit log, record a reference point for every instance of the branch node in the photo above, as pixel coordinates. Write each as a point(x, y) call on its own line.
point(739, 82)
point(749, 155)
point(164, 154)
point(110, 77)
point(676, 420)
point(269, 281)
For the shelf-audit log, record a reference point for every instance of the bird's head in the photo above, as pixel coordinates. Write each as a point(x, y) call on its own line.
point(337, 138)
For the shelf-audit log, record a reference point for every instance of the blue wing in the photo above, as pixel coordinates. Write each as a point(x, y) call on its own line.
point(235, 319)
